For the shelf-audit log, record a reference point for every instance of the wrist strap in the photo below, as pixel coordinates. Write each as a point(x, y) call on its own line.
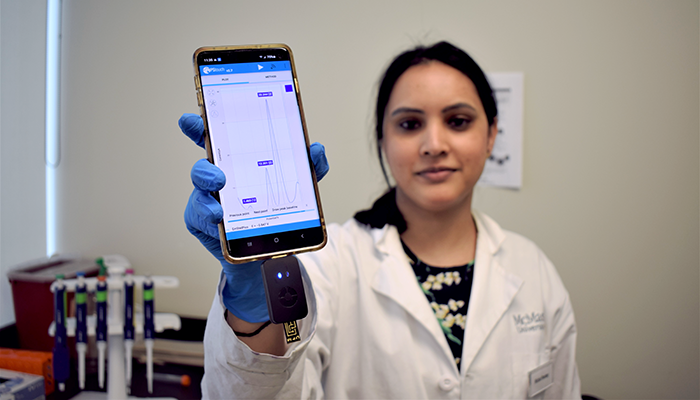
point(242, 334)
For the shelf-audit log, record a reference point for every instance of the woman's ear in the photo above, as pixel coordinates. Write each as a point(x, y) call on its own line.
point(493, 132)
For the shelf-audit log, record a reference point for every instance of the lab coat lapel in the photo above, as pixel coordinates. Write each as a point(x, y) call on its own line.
point(493, 290)
point(395, 279)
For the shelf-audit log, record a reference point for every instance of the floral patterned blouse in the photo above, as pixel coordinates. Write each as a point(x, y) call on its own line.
point(448, 291)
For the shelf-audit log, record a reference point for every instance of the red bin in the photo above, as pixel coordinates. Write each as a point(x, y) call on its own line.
point(31, 293)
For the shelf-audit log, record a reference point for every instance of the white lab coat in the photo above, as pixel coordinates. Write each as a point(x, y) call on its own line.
point(371, 333)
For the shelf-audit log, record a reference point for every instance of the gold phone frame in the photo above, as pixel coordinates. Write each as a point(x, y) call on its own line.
point(200, 100)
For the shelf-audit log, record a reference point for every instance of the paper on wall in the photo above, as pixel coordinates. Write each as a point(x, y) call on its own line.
point(504, 168)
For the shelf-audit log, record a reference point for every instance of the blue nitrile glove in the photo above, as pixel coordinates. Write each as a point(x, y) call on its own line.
point(244, 292)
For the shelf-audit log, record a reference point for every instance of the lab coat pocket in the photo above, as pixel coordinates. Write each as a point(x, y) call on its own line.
point(523, 364)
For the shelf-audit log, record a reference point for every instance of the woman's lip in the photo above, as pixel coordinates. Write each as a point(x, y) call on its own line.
point(436, 169)
point(436, 174)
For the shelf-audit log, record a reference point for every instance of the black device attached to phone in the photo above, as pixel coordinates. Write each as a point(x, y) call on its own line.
point(284, 287)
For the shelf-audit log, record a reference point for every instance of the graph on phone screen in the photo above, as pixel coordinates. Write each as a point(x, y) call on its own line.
point(263, 159)
point(258, 141)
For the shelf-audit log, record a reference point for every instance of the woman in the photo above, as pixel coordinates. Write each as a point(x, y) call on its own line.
point(418, 297)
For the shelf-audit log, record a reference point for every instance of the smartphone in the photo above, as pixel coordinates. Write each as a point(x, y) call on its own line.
point(255, 133)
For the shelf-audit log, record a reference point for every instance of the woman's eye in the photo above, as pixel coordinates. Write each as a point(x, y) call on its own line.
point(459, 123)
point(410, 124)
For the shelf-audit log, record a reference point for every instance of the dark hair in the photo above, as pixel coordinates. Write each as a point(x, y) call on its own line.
point(447, 54)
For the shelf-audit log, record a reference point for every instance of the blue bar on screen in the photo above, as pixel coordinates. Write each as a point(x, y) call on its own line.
point(273, 229)
point(244, 68)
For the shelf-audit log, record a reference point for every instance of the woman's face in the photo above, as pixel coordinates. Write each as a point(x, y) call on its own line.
point(436, 137)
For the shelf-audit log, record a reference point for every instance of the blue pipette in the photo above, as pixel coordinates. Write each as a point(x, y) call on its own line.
point(101, 326)
point(81, 329)
point(148, 328)
point(61, 360)
point(128, 322)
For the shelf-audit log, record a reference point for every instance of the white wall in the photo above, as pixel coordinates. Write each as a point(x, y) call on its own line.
point(611, 175)
point(22, 211)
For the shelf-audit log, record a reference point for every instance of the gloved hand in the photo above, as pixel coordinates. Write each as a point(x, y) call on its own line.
point(244, 292)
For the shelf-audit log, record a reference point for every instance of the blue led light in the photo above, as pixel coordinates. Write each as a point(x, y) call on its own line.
point(279, 275)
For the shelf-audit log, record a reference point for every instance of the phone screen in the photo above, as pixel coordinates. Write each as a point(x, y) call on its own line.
point(256, 131)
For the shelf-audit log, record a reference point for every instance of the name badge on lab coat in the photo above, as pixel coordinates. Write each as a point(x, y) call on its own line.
point(540, 379)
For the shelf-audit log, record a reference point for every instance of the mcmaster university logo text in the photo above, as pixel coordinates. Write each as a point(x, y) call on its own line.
point(529, 322)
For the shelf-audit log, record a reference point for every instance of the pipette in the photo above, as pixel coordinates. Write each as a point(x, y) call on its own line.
point(61, 361)
point(81, 331)
point(148, 328)
point(128, 323)
point(101, 326)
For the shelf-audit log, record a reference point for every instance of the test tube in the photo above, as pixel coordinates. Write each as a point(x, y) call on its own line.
point(148, 328)
point(101, 326)
point(128, 323)
point(81, 331)
point(61, 361)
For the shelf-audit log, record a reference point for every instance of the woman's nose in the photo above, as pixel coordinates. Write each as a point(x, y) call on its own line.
point(434, 141)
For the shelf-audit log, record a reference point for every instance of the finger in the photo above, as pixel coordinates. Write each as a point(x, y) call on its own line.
point(192, 126)
point(207, 176)
point(210, 243)
point(318, 156)
point(206, 207)
point(203, 213)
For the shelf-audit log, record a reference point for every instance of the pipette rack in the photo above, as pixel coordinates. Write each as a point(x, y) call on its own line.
point(116, 267)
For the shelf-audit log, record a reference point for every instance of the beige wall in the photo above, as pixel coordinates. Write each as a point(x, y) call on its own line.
point(611, 147)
